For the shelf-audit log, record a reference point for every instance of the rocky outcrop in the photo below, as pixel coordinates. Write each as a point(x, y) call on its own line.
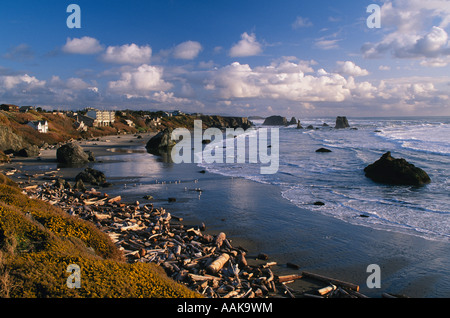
point(323, 150)
point(161, 142)
point(293, 121)
point(9, 141)
point(393, 171)
point(71, 154)
point(29, 151)
point(341, 122)
point(275, 121)
point(92, 176)
point(299, 125)
point(223, 122)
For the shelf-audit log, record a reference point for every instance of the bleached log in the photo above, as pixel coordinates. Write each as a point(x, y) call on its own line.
point(218, 263)
point(332, 281)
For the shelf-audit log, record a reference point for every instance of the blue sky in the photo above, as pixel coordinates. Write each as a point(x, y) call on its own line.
point(288, 57)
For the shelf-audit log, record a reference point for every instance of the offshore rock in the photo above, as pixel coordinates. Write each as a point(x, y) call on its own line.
point(393, 171)
point(275, 121)
point(341, 122)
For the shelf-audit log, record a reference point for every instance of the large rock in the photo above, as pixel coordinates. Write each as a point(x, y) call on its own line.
point(29, 151)
point(293, 121)
point(92, 176)
point(71, 154)
point(389, 170)
point(161, 142)
point(10, 141)
point(341, 122)
point(275, 121)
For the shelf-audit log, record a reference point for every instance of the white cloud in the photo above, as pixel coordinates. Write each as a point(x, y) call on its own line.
point(350, 68)
point(325, 44)
point(128, 54)
point(384, 68)
point(84, 45)
point(247, 46)
point(284, 81)
point(301, 22)
point(188, 50)
point(407, 33)
point(21, 81)
point(140, 81)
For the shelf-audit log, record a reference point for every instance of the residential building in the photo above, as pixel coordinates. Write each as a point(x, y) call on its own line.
point(9, 107)
point(25, 109)
point(102, 117)
point(40, 125)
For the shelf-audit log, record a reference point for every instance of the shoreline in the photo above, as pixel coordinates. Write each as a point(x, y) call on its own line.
point(28, 174)
point(100, 149)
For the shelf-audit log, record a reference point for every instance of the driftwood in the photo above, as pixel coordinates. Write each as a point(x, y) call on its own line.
point(218, 263)
point(288, 278)
point(209, 264)
point(219, 239)
point(331, 280)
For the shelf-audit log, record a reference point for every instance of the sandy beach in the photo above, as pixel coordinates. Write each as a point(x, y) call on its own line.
point(256, 217)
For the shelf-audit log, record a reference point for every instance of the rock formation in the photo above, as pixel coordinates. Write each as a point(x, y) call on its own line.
point(341, 122)
point(293, 121)
point(225, 122)
point(71, 154)
point(161, 143)
point(92, 176)
point(323, 150)
point(299, 125)
point(393, 171)
point(275, 121)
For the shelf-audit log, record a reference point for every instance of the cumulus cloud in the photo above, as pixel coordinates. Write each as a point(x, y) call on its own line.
point(128, 54)
point(406, 30)
point(350, 68)
point(25, 82)
point(84, 45)
point(285, 81)
point(188, 50)
point(140, 81)
point(247, 46)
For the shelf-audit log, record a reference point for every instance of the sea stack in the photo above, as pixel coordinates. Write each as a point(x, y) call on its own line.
point(161, 141)
point(341, 122)
point(393, 171)
point(275, 121)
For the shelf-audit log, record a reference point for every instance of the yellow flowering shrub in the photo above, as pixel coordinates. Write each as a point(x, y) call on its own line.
point(39, 241)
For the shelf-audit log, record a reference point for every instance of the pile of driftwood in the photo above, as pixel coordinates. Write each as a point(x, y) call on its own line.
point(207, 263)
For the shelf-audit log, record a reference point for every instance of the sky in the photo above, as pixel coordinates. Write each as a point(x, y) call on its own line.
point(227, 57)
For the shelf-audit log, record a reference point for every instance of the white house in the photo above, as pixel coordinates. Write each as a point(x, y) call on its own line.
point(40, 125)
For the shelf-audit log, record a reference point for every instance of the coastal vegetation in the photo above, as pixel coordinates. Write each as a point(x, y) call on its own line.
point(39, 241)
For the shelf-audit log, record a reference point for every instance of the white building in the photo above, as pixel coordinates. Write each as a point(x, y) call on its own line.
point(40, 125)
point(102, 117)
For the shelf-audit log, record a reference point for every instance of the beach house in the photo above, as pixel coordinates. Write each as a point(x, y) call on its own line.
point(40, 125)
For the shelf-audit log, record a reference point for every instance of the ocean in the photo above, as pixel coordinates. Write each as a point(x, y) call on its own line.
point(337, 178)
point(403, 229)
